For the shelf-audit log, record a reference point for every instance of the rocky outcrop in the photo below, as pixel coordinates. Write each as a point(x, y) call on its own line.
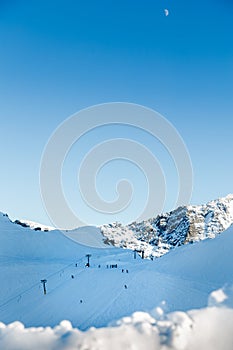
point(184, 225)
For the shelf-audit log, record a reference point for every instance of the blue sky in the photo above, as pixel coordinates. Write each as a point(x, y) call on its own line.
point(57, 57)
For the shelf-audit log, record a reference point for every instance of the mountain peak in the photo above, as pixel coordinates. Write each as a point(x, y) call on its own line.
point(186, 224)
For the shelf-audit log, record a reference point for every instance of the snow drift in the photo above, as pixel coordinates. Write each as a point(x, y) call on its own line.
point(209, 328)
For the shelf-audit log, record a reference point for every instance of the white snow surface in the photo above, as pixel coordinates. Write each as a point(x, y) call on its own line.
point(161, 304)
point(87, 235)
point(209, 328)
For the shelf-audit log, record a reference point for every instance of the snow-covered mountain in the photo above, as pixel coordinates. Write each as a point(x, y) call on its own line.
point(187, 224)
point(155, 236)
point(101, 294)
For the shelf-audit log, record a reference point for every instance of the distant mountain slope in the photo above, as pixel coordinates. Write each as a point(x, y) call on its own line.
point(23, 242)
point(184, 225)
point(87, 235)
point(156, 236)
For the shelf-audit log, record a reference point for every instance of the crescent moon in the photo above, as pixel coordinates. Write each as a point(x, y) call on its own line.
point(166, 12)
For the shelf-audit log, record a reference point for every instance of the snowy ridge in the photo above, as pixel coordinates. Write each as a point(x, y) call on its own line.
point(34, 225)
point(189, 224)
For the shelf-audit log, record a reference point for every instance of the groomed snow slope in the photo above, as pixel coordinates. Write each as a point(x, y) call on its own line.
point(99, 295)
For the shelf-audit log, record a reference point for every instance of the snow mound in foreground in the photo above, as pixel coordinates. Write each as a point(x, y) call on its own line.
point(209, 328)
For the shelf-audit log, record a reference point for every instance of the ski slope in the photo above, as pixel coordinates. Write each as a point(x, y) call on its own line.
point(97, 295)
